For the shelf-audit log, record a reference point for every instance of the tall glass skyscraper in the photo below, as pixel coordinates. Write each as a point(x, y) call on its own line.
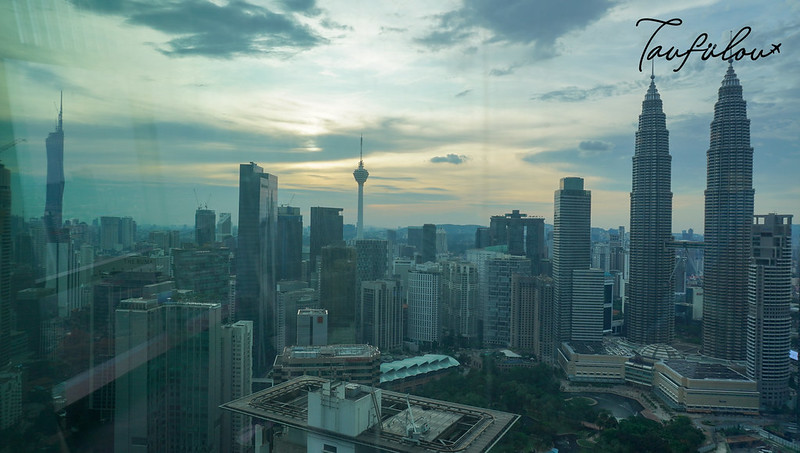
point(55, 181)
point(650, 311)
point(728, 224)
point(572, 249)
point(769, 322)
point(255, 259)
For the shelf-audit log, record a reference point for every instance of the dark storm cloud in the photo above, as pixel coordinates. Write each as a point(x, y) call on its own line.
point(206, 29)
point(449, 159)
point(516, 21)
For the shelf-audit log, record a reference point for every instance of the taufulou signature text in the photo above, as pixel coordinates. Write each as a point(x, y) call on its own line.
point(701, 45)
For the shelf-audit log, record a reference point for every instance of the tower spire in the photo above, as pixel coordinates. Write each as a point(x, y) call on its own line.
point(60, 124)
point(361, 152)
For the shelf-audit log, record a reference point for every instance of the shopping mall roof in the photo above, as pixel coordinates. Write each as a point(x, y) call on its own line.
point(415, 366)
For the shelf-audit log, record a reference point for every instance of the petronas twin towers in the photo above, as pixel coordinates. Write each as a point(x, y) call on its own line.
point(650, 312)
point(649, 315)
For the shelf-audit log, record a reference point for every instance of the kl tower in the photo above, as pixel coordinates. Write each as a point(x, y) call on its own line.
point(361, 174)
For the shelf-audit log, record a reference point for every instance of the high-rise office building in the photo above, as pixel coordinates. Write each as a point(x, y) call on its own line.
point(460, 300)
point(588, 300)
point(206, 272)
point(650, 309)
point(237, 377)
point(255, 259)
point(168, 376)
point(290, 244)
point(312, 327)
point(543, 319)
point(424, 296)
point(497, 306)
point(382, 314)
point(769, 321)
point(224, 226)
point(441, 241)
point(371, 259)
point(523, 312)
point(5, 263)
point(337, 292)
point(205, 227)
point(293, 295)
point(55, 180)
point(327, 227)
point(428, 251)
point(728, 224)
point(360, 174)
point(117, 233)
point(523, 235)
point(572, 250)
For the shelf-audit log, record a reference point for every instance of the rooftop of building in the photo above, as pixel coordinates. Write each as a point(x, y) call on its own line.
point(451, 427)
point(415, 366)
point(608, 346)
point(701, 370)
point(336, 350)
point(660, 351)
point(312, 311)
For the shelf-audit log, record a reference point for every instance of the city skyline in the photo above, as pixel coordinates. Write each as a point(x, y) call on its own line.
point(450, 104)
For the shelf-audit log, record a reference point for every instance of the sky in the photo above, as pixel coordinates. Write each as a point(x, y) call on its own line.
point(467, 108)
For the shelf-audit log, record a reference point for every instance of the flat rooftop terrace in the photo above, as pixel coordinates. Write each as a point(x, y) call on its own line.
point(313, 352)
point(453, 427)
point(695, 370)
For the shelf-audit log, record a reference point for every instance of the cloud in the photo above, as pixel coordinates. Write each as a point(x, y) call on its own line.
point(539, 23)
point(308, 7)
point(463, 93)
point(595, 145)
point(206, 29)
point(450, 159)
point(392, 30)
point(575, 94)
point(503, 72)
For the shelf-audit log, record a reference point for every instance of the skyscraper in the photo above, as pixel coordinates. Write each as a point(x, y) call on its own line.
point(205, 224)
point(424, 297)
point(55, 180)
point(382, 314)
point(497, 305)
point(327, 227)
point(290, 243)
point(5, 263)
point(650, 311)
point(168, 376)
point(460, 300)
point(255, 259)
point(428, 243)
point(523, 235)
point(338, 293)
point(728, 224)
point(237, 374)
point(769, 321)
point(572, 250)
point(361, 174)
point(588, 290)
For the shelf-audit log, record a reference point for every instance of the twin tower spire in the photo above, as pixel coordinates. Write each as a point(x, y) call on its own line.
point(649, 315)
